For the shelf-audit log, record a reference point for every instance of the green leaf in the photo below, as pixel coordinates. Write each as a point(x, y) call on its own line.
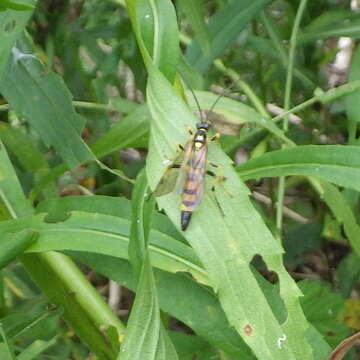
point(226, 262)
point(13, 5)
point(170, 120)
point(5, 353)
point(190, 346)
point(6, 349)
point(12, 24)
point(301, 239)
point(35, 349)
point(131, 131)
point(157, 26)
point(235, 112)
point(328, 19)
point(231, 278)
point(346, 28)
point(145, 336)
point(204, 316)
point(56, 275)
point(224, 27)
point(28, 321)
point(26, 153)
point(343, 213)
point(85, 311)
point(195, 15)
point(334, 163)
point(142, 209)
point(13, 245)
point(22, 146)
point(41, 98)
point(10, 189)
point(323, 307)
point(348, 274)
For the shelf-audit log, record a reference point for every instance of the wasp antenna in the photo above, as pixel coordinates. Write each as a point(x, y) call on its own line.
point(224, 90)
point(197, 103)
point(194, 96)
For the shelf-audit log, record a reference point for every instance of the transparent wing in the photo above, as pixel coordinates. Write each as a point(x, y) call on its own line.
point(168, 182)
point(220, 123)
point(175, 174)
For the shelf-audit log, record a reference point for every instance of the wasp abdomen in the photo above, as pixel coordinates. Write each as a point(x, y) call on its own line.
point(185, 219)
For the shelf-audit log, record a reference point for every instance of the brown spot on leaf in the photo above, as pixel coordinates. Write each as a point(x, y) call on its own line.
point(248, 329)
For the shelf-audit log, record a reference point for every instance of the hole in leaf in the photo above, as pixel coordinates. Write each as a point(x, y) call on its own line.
point(269, 284)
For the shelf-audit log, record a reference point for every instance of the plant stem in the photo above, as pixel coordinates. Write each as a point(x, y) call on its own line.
point(287, 97)
point(236, 78)
point(233, 75)
point(276, 40)
point(79, 104)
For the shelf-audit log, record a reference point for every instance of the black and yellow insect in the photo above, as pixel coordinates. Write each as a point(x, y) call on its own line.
point(194, 162)
point(192, 173)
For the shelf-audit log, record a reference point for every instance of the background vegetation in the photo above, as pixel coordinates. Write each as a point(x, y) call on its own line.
point(268, 269)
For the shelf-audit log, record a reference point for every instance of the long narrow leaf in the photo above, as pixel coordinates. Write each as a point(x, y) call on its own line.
point(334, 163)
point(224, 27)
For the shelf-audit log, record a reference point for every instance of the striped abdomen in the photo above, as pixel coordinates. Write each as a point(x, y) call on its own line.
point(194, 186)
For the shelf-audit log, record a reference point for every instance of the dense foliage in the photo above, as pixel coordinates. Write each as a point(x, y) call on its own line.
point(95, 98)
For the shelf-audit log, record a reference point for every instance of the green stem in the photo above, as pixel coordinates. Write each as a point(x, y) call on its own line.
point(287, 97)
point(235, 77)
point(277, 42)
point(244, 86)
point(86, 105)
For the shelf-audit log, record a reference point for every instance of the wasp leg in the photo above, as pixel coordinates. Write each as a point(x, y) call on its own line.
point(220, 176)
point(179, 146)
point(218, 179)
point(217, 201)
point(215, 137)
point(190, 130)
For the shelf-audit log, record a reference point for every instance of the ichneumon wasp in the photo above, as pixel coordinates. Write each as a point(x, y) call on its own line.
point(192, 168)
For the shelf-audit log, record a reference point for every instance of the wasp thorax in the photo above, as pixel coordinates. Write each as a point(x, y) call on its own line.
point(199, 139)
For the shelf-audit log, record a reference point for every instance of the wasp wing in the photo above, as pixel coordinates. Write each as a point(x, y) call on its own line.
point(220, 123)
point(175, 174)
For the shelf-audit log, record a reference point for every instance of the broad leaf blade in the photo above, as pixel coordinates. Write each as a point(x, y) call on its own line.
point(42, 99)
point(12, 24)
